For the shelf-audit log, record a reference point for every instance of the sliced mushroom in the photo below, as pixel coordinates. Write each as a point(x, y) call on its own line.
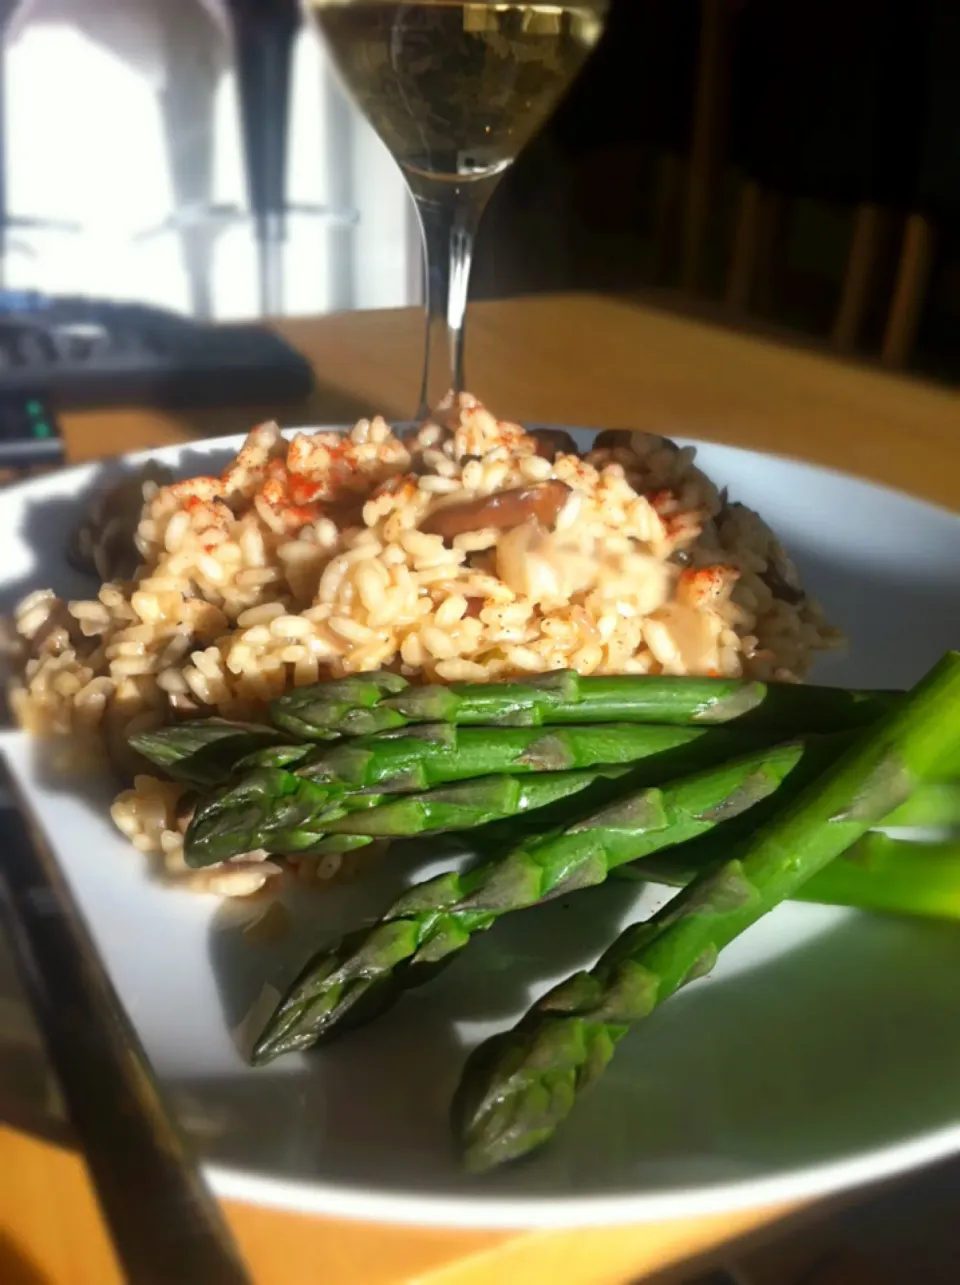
point(102, 543)
point(612, 439)
point(347, 511)
point(500, 512)
point(780, 575)
point(552, 442)
point(778, 584)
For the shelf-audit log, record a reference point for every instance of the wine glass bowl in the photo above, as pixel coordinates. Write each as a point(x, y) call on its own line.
point(455, 89)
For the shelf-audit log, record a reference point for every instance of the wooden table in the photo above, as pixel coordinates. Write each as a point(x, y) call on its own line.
point(576, 360)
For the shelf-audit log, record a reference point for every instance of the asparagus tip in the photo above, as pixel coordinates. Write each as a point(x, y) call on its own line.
point(500, 1111)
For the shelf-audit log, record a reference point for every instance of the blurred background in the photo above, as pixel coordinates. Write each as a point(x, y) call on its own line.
point(792, 167)
point(125, 118)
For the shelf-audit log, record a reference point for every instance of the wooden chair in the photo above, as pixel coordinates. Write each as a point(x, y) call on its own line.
point(709, 132)
point(582, 183)
point(910, 291)
point(648, 112)
point(827, 106)
point(936, 195)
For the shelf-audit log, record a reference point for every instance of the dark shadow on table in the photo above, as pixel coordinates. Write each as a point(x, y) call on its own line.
point(902, 1230)
point(29, 1096)
point(326, 404)
point(16, 1268)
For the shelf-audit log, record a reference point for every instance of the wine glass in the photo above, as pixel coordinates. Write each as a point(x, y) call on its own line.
point(455, 88)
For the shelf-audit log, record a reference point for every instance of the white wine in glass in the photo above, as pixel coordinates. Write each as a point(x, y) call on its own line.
point(455, 90)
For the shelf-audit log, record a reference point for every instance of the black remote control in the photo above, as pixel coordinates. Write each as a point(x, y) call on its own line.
point(30, 434)
point(82, 354)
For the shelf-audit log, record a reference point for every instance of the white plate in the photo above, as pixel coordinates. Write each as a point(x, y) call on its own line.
point(824, 1050)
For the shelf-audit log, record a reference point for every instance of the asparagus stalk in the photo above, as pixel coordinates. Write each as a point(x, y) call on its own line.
point(895, 876)
point(205, 751)
point(418, 758)
point(934, 805)
point(426, 756)
point(284, 814)
point(268, 808)
point(519, 1087)
point(468, 804)
point(320, 712)
point(430, 923)
point(564, 697)
point(356, 820)
point(878, 873)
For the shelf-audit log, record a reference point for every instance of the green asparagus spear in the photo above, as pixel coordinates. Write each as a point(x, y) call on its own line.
point(364, 973)
point(268, 808)
point(432, 755)
point(469, 803)
point(565, 697)
point(318, 713)
point(896, 876)
point(417, 758)
point(288, 756)
point(879, 873)
point(933, 805)
point(284, 814)
point(205, 751)
point(519, 1087)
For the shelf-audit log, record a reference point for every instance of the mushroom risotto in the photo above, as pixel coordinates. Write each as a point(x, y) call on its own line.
point(465, 549)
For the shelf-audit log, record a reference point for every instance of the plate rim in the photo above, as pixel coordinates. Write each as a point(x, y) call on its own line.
point(517, 1212)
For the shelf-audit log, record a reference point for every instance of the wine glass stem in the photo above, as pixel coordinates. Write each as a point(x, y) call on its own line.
point(450, 214)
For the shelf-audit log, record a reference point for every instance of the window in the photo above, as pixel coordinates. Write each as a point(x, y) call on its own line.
point(86, 142)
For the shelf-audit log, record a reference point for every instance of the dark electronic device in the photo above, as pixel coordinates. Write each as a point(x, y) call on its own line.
point(29, 432)
point(78, 353)
point(64, 353)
